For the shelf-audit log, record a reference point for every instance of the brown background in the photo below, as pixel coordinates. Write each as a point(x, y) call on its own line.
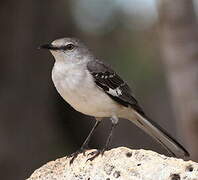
point(36, 125)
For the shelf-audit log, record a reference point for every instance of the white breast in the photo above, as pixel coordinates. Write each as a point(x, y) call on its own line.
point(76, 86)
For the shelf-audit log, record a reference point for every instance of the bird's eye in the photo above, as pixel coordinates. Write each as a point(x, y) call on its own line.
point(69, 47)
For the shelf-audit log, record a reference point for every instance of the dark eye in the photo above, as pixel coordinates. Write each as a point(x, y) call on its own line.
point(69, 47)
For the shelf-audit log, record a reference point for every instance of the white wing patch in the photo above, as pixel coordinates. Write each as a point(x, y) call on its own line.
point(115, 92)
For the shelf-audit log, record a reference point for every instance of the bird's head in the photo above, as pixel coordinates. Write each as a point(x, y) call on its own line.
point(68, 50)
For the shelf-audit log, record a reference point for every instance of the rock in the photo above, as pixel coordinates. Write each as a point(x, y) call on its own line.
point(119, 164)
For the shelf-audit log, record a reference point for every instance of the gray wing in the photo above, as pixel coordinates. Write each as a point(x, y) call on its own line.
point(118, 90)
point(112, 84)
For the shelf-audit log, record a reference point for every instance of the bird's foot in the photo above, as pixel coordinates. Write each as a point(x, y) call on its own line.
point(95, 154)
point(75, 155)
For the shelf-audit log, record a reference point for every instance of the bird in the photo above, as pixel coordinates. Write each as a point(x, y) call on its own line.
point(92, 87)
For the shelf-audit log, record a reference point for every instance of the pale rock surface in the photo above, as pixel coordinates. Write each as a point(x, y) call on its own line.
point(119, 164)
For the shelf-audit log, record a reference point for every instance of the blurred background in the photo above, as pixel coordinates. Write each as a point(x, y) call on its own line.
point(152, 43)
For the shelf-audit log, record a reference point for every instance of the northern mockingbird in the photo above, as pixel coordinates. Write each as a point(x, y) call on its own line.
point(93, 88)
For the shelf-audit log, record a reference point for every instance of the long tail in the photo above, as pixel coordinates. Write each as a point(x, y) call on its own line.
point(154, 130)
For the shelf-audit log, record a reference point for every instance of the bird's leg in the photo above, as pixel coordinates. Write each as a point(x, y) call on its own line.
point(114, 122)
point(86, 142)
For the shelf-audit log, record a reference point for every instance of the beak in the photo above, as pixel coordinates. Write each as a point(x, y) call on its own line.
point(47, 46)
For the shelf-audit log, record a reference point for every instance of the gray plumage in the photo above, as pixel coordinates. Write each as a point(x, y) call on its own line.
point(112, 84)
point(92, 87)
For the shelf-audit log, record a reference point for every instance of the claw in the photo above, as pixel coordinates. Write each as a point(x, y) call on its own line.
point(95, 154)
point(75, 155)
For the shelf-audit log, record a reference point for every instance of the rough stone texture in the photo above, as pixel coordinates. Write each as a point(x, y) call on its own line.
point(119, 164)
